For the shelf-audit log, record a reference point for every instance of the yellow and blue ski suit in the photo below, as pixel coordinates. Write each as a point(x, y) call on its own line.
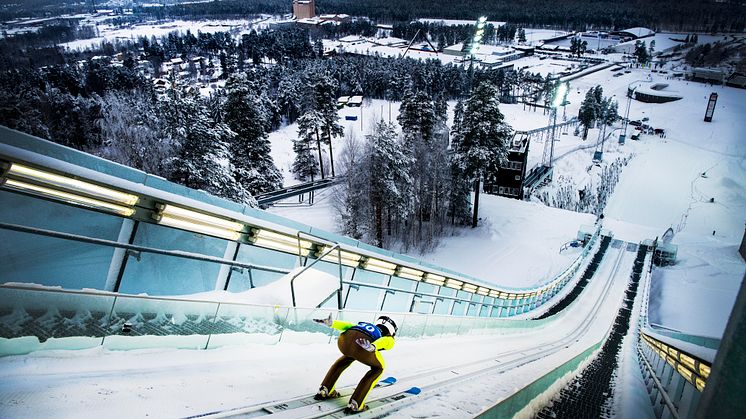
point(352, 351)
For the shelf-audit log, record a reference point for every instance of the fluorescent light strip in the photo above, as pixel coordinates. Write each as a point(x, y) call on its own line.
point(183, 224)
point(704, 370)
point(402, 274)
point(453, 283)
point(74, 185)
point(283, 238)
point(352, 257)
point(283, 247)
point(347, 262)
point(345, 254)
point(68, 197)
point(436, 277)
point(347, 258)
point(380, 269)
point(494, 294)
point(380, 264)
point(482, 291)
point(434, 281)
point(173, 211)
point(410, 271)
point(700, 383)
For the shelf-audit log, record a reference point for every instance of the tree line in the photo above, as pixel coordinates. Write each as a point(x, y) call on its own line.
point(409, 188)
point(677, 15)
point(691, 15)
point(69, 103)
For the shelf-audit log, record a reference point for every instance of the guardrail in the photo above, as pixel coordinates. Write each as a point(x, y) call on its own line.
point(693, 369)
point(74, 192)
point(37, 318)
point(136, 248)
point(507, 304)
point(268, 198)
point(33, 318)
point(674, 377)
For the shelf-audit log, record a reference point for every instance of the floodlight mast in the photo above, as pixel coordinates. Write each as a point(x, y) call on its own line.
point(559, 99)
point(477, 39)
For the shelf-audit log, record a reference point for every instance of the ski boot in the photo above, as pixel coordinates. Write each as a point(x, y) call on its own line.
point(353, 408)
point(325, 394)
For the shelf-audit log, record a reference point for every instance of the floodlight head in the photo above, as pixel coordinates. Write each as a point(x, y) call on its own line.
point(559, 95)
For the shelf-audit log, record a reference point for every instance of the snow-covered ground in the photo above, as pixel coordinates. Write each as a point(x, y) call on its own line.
point(110, 33)
point(520, 237)
point(516, 244)
point(454, 22)
point(178, 383)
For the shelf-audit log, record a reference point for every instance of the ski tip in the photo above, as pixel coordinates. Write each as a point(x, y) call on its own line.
point(390, 380)
point(414, 390)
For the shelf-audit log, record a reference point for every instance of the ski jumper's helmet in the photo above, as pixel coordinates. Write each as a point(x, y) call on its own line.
point(387, 326)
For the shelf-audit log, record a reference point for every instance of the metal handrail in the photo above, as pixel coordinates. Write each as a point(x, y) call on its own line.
point(212, 259)
point(339, 260)
point(658, 385)
point(145, 249)
point(447, 297)
point(305, 268)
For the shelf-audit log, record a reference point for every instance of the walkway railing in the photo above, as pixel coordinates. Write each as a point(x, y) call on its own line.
point(674, 377)
point(34, 318)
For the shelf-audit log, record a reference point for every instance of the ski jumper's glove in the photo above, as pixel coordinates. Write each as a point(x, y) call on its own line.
point(365, 344)
point(326, 322)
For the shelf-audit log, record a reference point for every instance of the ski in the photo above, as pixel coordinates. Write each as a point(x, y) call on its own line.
point(286, 405)
point(386, 382)
point(373, 407)
point(294, 404)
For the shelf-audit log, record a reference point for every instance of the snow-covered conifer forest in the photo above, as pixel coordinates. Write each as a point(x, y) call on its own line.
point(429, 133)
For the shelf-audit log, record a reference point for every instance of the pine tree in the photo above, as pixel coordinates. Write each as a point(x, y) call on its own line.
point(325, 104)
point(248, 112)
point(309, 125)
point(484, 136)
point(351, 198)
point(459, 203)
point(608, 113)
point(388, 176)
point(304, 165)
point(588, 111)
point(202, 160)
point(521, 35)
point(641, 52)
point(289, 97)
point(131, 133)
point(418, 119)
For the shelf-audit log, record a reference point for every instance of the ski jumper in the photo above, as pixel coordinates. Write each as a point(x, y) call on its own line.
point(351, 352)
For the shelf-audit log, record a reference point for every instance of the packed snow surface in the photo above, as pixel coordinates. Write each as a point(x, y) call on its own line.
point(692, 180)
